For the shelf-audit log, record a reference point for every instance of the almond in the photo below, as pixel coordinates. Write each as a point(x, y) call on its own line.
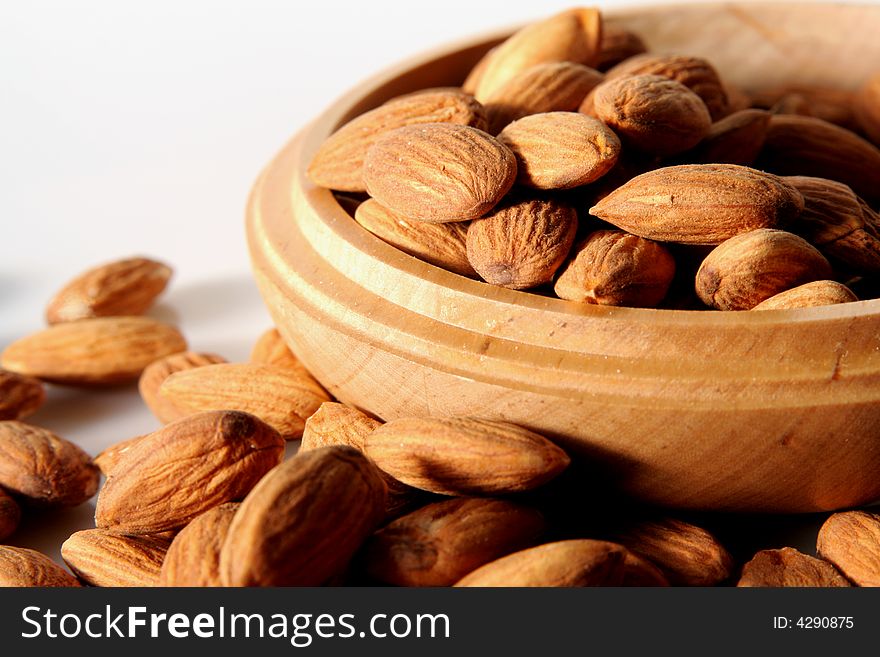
point(42, 468)
point(194, 556)
point(189, 466)
point(574, 35)
point(752, 267)
point(338, 163)
point(304, 521)
point(613, 268)
point(440, 543)
point(788, 567)
point(700, 203)
point(806, 146)
point(461, 455)
point(736, 139)
point(809, 295)
point(687, 554)
point(23, 567)
point(638, 571)
point(439, 172)
point(522, 244)
point(271, 349)
point(472, 81)
point(652, 113)
point(109, 457)
point(618, 44)
point(155, 374)
point(583, 562)
point(560, 150)
point(106, 350)
point(281, 397)
point(104, 558)
point(10, 515)
point(695, 73)
point(550, 87)
point(20, 396)
point(867, 108)
point(442, 245)
point(851, 541)
point(832, 105)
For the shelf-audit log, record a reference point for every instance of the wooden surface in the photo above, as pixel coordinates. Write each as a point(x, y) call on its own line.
point(772, 411)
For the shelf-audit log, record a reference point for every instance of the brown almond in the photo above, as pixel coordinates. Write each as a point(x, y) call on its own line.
point(826, 103)
point(442, 245)
point(550, 87)
point(155, 374)
point(572, 563)
point(107, 459)
point(271, 349)
point(193, 559)
point(123, 287)
point(788, 567)
point(652, 113)
point(42, 468)
point(851, 541)
point(560, 150)
point(304, 521)
point(20, 396)
point(439, 172)
point(700, 203)
point(104, 558)
point(574, 35)
point(10, 515)
point(440, 543)
point(867, 108)
point(806, 146)
point(106, 350)
point(613, 268)
point(281, 397)
point(752, 267)
point(736, 139)
point(23, 567)
point(687, 554)
point(638, 571)
point(191, 465)
point(809, 295)
point(462, 456)
point(338, 163)
point(695, 73)
point(618, 44)
point(522, 244)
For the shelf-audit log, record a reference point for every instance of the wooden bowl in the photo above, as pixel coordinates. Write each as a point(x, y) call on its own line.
point(766, 411)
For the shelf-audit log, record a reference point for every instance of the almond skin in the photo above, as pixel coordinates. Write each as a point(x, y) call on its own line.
point(572, 563)
point(442, 245)
point(788, 567)
point(194, 556)
point(155, 374)
point(809, 295)
point(695, 73)
point(103, 558)
point(102, 351)
point(806, 146)
point(752, 267)
point(613, 268)
point(43, 469)
point(867, 108)
point(439, 172)
point(735, 139)
point(851, 541)
point(700, 203)
point(574, 35)
point(618, 45)
point(440, 543)
point(191, 465)
point(10, 515)
point(20, 396)
point(550, 87)
point(522, 244)
point(687, 554)
point(109, 457)
point(281, 397)
point(560, 150)
point(21, 567)
point(304, 521)
point(464, 456)
point(271, 349)
point(652, 114)
point(338, 163)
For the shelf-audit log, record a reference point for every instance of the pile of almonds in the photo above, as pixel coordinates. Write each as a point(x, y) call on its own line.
point(572, 162)
point(209, 499)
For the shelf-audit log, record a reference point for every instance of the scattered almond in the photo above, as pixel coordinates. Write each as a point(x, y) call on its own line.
point(194, 556)
point(851, 541)
point(107, 459)
point(271, 349)
point(618, 44)
point(736, 139)
point(809, 295)
point(20, 396)
point(104, 558)
point(788, 567)
point(21, 567)
point(155, 374)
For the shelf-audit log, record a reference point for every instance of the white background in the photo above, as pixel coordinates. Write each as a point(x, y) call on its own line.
point(137, 128)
